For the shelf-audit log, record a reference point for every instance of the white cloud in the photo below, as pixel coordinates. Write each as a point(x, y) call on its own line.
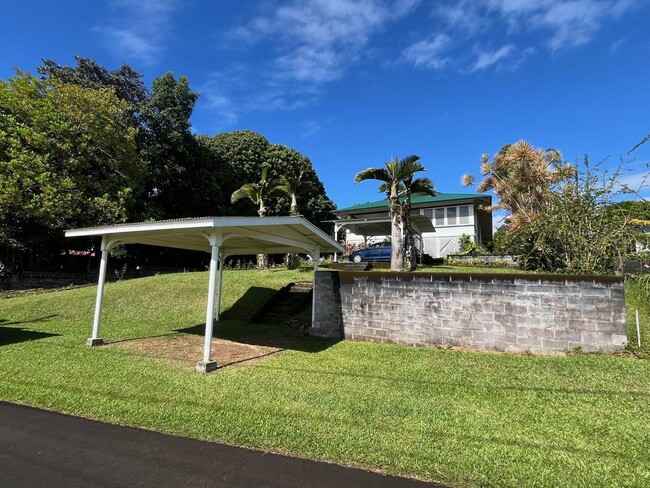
point(636, 182)
point(314, 43)
point(311, 127)
point(429, 53)
point(237, 90)
point(138, 29)
point(485, 59)
point(616, 46)
point(563, 24)
point(319, 39)
point(569, 23)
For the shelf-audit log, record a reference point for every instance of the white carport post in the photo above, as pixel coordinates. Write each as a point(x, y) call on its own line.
point(208, 364)
point(336, 233)
point(95, 340)
point(316, 257)
point(221, 260)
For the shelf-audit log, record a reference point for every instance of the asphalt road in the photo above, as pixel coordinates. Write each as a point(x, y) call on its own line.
point(41, 448)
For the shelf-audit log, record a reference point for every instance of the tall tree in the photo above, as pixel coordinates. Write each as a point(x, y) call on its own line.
point(175, 171)
point(67, 159)
point(234, 157)
point(413, 185)
point(314, 204)
point(259, 193)
point(126, 81)
point(393, 176)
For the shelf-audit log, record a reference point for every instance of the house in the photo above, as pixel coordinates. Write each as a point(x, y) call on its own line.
point(451, 214)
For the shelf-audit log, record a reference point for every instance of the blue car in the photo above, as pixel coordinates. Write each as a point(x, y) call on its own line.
point(373, 253)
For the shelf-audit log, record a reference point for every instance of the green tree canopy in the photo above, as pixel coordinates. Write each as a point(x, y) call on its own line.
point(239, 156)
point(175, 182)
point(67, 159)
point(125, 81)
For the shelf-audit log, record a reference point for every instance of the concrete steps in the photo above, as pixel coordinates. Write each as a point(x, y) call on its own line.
point(286, 304)
point(350, 266)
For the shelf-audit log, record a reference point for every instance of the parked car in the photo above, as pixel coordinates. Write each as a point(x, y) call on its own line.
point(374, 252)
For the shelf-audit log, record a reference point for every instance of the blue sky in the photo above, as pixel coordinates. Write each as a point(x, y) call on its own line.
point(352, 84)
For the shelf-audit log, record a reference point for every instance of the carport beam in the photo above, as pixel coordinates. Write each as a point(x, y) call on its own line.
point(95, 340)
point(208, 364)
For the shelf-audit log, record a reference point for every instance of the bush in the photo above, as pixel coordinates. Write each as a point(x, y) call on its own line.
point(468, 246)
point(575, 230)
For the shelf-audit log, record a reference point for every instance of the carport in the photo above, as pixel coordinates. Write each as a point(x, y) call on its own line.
point(221, 237)
point(381, 226)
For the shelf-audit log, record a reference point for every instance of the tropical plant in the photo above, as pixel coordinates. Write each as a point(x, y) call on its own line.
point(412, 185)
point(292, 186)
point(259, 193)
point(521, 176)
point(577, 231)
point(397, 178)
point(469, 246)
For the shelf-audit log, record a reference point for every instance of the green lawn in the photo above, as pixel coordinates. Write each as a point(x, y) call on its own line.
point(459, 418)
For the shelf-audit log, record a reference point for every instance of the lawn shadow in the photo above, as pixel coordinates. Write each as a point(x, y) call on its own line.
point(251, 301)
point(277, 336)
point(13, 335)
point(33, 321)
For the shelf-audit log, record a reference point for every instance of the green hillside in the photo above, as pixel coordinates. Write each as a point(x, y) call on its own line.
point(456, 417)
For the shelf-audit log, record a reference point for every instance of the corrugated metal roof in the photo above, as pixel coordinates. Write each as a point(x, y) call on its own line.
point(418, 199)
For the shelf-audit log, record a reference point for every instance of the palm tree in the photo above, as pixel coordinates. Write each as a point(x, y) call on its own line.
point(292, 186)
point(394, 175)
point(413, 185)
point(259, 193)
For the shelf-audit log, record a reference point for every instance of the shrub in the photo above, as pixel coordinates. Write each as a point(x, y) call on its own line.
point(468, 246)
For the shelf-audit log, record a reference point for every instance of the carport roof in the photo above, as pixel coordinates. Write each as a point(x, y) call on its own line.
point(237, 235)
point(382, 226)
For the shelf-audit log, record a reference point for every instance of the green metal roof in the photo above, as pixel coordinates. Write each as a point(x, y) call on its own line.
point(417, 199)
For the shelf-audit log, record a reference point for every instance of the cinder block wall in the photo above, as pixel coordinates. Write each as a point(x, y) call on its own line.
point(541, 314)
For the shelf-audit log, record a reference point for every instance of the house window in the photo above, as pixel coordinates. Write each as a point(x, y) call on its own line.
point(463, 213)
point(451, 215)
point(427, 212)
point(440, 217)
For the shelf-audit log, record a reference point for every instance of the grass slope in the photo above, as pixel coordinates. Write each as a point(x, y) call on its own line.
point(460, 418)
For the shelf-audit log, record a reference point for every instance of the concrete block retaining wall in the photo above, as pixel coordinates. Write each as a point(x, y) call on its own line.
point(541, 314)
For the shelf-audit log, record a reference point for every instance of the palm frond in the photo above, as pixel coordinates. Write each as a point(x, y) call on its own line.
point(249, 190)
point(388, 187)
point(372, 174)
point(423, 185)
point(408, 168)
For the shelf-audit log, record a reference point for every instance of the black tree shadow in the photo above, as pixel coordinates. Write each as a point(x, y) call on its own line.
point(32, 321)
point(279, 336)
point(13, 335)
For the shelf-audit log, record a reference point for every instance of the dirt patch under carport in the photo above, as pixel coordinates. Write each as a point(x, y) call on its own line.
point(185, 350)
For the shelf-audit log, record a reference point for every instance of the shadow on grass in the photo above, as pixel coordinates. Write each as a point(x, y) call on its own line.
point(33, 321)
point(280, 336)
point(251, 301)
point(13, 335)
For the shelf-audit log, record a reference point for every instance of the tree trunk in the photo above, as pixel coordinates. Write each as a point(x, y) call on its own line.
point(293, 260)
point(397, 254)
point(262, 259)
point(263, 262)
